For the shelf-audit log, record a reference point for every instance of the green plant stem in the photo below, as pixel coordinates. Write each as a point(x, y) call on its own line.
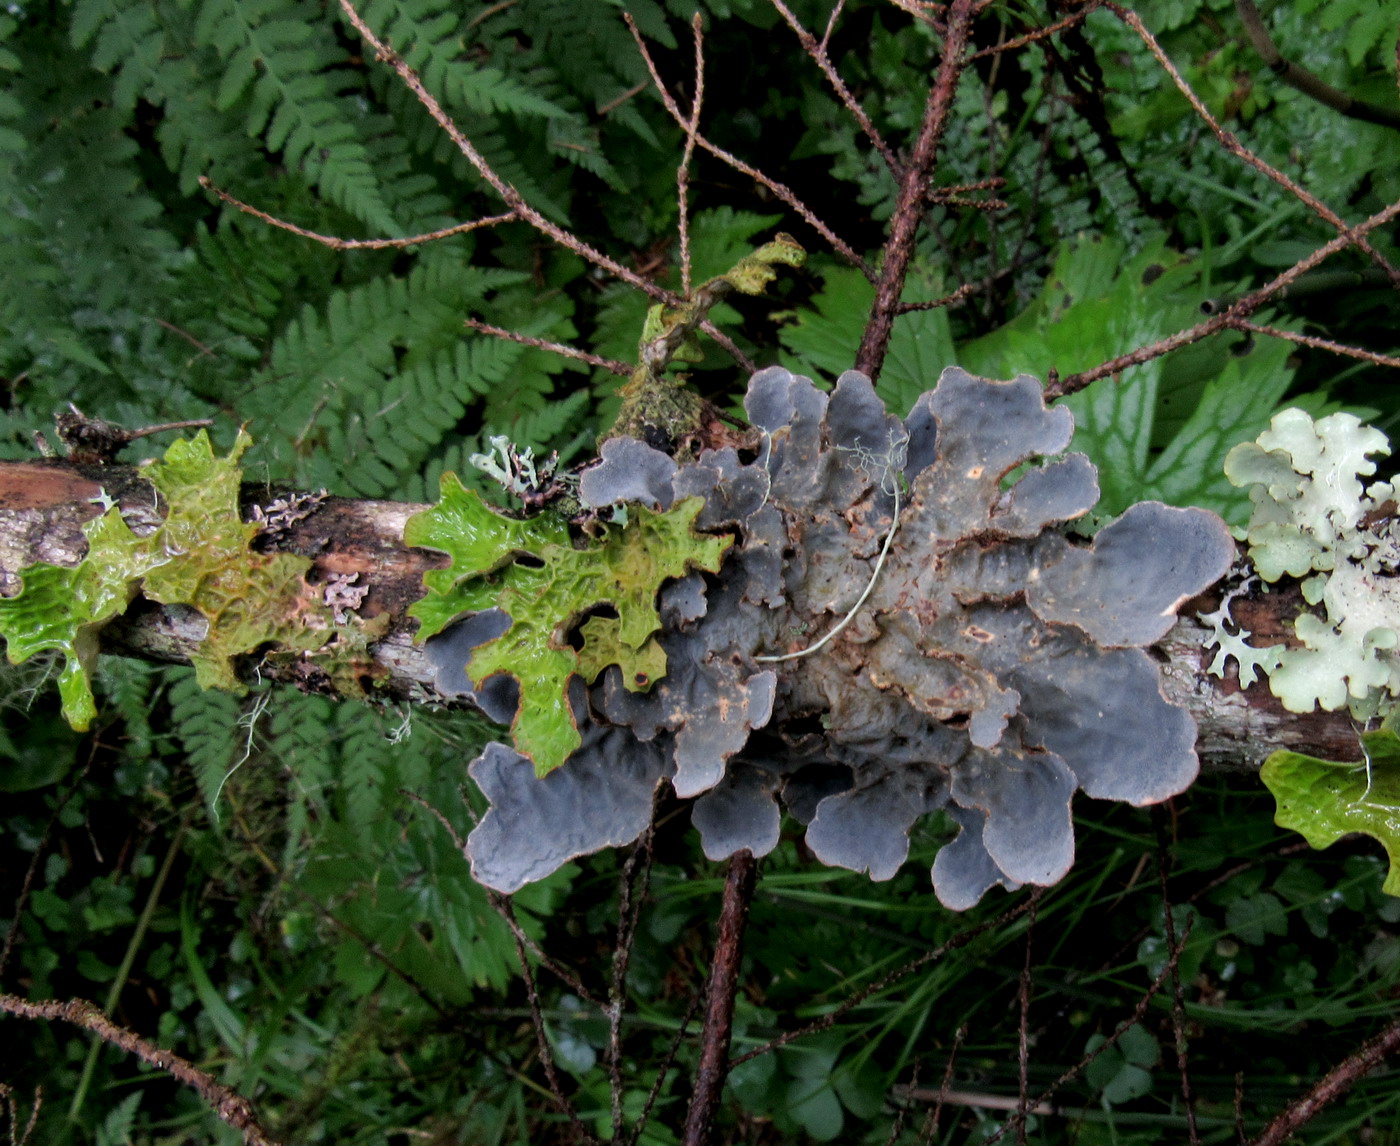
point(124, 970)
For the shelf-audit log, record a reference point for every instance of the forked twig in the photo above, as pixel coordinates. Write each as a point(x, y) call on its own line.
point(1029, 38)
point(519, 207)
point(1154, 988)
point(551, 1074)
point(780, 190)
point(816, 49)
point(1244, 305)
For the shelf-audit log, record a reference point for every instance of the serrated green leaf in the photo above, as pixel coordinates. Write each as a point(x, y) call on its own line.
point(547, 597)
point(1325, 799)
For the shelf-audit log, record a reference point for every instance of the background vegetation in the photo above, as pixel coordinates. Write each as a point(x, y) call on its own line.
point(249, 882)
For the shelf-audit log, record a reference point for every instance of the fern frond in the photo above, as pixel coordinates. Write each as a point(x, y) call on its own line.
point(429, 35)
point(330, 370)
point(205, 723)
point(277, 60)
point(11, 141)
point(127, 40)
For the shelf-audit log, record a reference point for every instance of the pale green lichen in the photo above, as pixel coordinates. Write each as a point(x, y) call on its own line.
point(548, 596)
point(1314, 519)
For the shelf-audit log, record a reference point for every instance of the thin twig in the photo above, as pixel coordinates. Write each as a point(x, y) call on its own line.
point(338, 244)
point(231, 1107)
point(714, 1065)
point(1159, 822)
point(663, 1068)
point(609, 364)
point(1239, 1108)
point(912, 202)
point(1039, 34)
point(957, 298)
point(692, 125)
point(930, 1127)
point(542, 1041)
point(1316, 343)
point(1023, 1040)
point(1242, 306)
point(40, 853)
point(617, 101)
point(816, 49)
point(780, 190)
point(119, 980)
point(506, 910)
point(1228, 141)
point(1297, 76)
point(1338, 1081)
point(632, 885)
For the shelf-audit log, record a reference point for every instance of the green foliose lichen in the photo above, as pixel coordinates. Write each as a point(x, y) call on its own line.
point(1325, 799)
point(200, 556)
point(547, 595)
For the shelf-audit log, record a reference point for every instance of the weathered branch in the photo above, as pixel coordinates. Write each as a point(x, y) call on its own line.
point(44, 503)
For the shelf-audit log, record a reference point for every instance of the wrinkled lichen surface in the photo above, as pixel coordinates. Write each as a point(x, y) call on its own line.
point(1314, 519)
point(994, 667)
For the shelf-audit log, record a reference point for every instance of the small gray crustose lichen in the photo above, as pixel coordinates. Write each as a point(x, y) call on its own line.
point(993, 668)
point(1313, 519)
